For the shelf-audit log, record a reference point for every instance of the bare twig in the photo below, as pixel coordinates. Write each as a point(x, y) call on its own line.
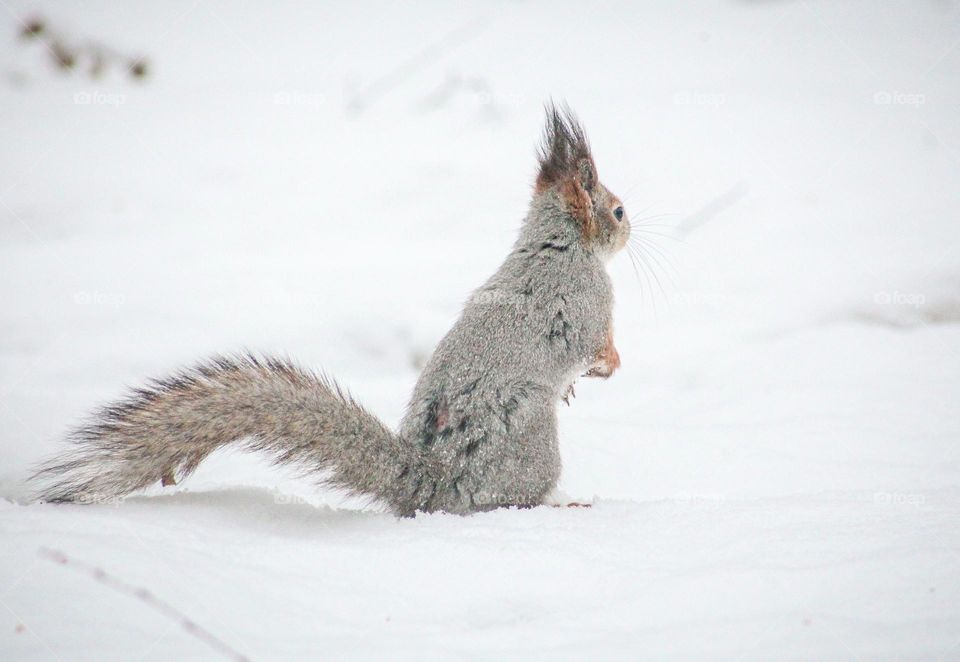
point(422, 58)
point(723, 201)
point(68, 52)
point(146, 597)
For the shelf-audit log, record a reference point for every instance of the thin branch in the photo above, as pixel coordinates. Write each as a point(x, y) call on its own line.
point(147, 598)
point(422, 58)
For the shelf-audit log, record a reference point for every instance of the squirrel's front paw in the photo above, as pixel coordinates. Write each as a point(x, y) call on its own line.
point(601, 370)
point(608, 360)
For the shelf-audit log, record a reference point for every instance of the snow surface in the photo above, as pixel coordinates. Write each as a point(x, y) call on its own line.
point(773, 472)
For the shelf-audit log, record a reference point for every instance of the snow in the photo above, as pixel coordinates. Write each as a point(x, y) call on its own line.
point(774, 471)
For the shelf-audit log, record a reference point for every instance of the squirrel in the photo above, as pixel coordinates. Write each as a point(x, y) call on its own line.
point(480, 431)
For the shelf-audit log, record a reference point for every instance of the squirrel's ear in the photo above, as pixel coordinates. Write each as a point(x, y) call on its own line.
point(579, 205)
point(587, 172)
point(564, 152)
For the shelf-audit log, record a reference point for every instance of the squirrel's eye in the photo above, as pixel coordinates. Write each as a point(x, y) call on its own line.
point(618, 212)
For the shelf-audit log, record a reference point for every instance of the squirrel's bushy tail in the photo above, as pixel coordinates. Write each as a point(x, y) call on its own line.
point(160, 433)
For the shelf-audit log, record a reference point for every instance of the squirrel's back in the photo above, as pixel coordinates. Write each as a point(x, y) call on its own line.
point(485, 403)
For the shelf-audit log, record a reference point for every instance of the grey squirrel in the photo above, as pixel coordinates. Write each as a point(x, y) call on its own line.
point(480, 431)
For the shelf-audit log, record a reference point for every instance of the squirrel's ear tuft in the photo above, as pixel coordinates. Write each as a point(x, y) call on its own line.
point(564, 152)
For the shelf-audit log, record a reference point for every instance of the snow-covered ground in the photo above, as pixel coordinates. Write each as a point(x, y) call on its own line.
point(773, 472)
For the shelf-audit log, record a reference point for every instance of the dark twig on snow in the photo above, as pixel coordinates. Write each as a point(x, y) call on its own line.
point(147, 598)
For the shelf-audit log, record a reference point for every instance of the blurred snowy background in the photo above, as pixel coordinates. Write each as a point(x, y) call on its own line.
point(774, 471)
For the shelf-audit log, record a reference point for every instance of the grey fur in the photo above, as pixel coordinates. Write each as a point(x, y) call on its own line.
point(480, 431)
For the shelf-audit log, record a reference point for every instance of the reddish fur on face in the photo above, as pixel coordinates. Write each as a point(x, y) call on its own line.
point(579, 205)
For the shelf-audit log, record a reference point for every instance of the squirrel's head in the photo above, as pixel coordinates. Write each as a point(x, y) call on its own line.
point(568, 181)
